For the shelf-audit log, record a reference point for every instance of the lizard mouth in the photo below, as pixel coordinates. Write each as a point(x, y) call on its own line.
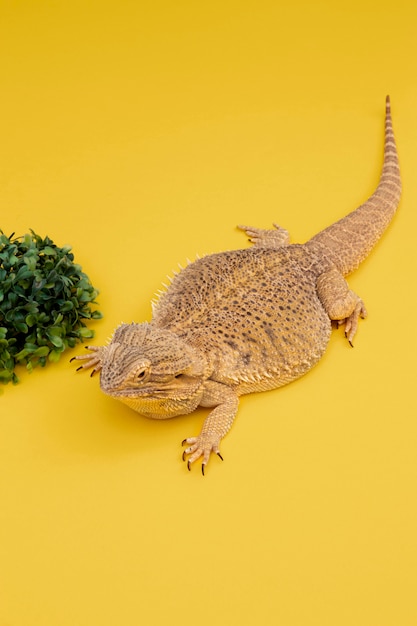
point(161, 403)
point(180, 388)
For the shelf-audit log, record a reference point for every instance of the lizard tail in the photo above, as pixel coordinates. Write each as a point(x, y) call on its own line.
point(349, 241)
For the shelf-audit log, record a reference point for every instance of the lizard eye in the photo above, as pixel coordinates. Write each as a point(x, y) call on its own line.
point(140, 374)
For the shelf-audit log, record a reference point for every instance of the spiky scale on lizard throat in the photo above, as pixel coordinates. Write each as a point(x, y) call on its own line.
point(245, 320)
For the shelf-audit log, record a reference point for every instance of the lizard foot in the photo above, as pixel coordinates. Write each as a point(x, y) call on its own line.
point(341, 304)
point(91, 360)
point(201, 446)
point(351, 322)
point(264, 238)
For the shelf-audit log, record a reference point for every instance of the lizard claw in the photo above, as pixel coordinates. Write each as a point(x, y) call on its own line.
point(201, 446)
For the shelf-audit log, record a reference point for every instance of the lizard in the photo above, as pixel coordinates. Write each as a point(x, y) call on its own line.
point(246, 320)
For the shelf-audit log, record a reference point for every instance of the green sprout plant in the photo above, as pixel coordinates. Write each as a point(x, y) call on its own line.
point(45, 299)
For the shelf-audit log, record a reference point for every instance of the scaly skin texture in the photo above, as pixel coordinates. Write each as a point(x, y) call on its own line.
point(247, 320)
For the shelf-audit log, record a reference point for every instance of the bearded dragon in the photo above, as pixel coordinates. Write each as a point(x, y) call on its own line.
point(245, 320)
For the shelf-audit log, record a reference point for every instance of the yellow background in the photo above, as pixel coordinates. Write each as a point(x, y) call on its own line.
point(141, 133)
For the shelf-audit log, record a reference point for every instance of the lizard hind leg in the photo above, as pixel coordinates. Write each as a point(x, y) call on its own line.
point(267, 238)
point(340, 303)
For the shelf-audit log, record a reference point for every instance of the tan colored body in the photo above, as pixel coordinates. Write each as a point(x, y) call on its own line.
point(247, 320)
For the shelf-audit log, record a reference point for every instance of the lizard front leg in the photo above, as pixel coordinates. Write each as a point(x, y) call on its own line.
point(216, 425)
point(340, 303)
point(94, 360)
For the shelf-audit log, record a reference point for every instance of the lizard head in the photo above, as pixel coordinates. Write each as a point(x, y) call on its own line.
point(153, 371)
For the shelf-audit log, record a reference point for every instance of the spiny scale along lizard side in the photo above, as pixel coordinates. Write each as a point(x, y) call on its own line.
point(245, 320)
